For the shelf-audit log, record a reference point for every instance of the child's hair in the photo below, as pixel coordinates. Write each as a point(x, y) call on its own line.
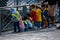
point(42, 5)
point(33, 6)
point(38, 7)
point(46, 5)
point(24, 18)
point(28, 15)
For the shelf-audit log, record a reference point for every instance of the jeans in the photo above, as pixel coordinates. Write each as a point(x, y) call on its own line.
point(38, 24)
point(16, 26)
point(28, 26)
point(59, 13)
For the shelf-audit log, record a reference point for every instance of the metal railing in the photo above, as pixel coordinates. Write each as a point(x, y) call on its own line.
point(5, 17)
point(6, 20)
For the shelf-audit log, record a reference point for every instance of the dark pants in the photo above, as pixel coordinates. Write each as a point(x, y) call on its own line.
point(38, 24)
point(52, 18)
point(46, 22)
point(51, 21)
point(59, 14)
point(16, 26)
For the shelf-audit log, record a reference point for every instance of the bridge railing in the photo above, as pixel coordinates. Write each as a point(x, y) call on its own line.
point(5, 16)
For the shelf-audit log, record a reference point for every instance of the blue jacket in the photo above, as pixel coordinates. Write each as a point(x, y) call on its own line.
point(29, 24)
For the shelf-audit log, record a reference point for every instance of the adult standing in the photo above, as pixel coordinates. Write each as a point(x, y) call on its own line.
point(52, 10)
point(58, 13)
point(59, 9)
point(15, 18)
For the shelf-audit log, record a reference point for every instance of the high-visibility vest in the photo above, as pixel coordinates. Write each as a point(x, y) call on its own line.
point(16, 15)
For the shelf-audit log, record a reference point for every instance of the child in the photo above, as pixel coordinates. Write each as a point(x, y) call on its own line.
point(22, 26)
point(46, 15)
point(39, 17)
point(33, 13)
point(15, 18)
point(28, 23)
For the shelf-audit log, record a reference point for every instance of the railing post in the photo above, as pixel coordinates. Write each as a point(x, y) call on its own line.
point(0, 21)
point(24, 10)
point(17, 4)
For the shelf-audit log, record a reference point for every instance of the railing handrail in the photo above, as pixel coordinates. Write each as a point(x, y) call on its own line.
point(19, 5)
point(10, 3)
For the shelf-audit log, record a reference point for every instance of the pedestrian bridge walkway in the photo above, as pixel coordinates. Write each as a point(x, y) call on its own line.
point(44, 34)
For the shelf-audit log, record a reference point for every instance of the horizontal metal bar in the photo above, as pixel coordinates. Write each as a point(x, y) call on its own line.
point(19, 5)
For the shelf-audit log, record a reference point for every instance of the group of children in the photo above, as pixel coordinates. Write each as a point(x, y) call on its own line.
point(31, 21)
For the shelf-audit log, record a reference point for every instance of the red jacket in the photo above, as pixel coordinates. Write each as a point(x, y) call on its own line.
point(33, 14)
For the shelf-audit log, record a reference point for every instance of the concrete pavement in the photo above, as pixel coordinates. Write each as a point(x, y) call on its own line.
point(45, 34)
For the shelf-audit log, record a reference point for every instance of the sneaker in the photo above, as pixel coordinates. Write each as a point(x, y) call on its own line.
point(58, 27)
point(13, 32)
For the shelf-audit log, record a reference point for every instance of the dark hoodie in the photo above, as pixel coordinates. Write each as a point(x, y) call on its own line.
point(58, 2)
point(51, 2)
